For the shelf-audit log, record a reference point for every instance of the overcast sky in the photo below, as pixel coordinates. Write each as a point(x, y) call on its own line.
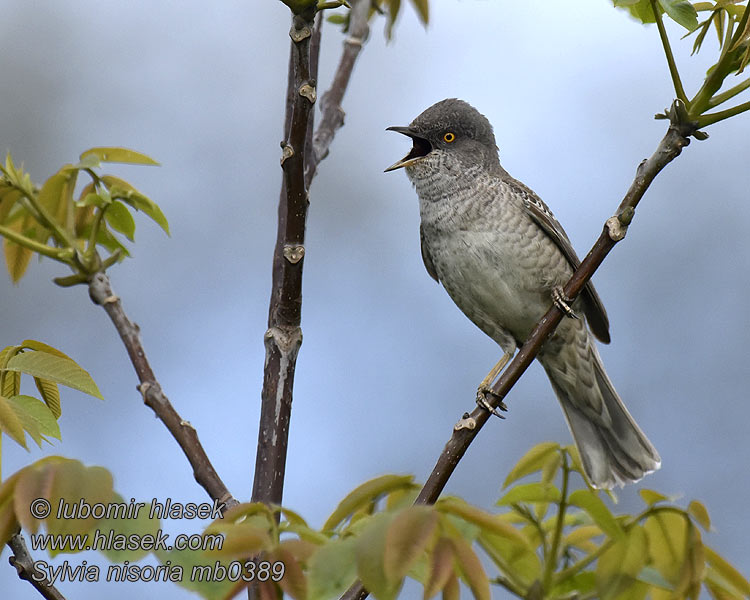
point(388, 363)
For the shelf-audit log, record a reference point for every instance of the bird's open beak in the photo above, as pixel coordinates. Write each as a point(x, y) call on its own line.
point(419, 150)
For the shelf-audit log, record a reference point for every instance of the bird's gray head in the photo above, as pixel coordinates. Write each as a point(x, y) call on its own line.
point(450, 134)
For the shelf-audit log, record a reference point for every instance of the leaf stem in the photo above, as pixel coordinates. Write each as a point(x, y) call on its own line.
point(60, 254)
point(95, 227)
point(552, 556)
point(509, 585)
point(702, 100)
point(711, 118)
point(40, 214)
point(740, 28)
point(730, 93)
point(679, 90)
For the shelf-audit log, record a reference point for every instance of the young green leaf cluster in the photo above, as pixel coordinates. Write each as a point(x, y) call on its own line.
point(730, 20)
point(389, 8)
point(32, 217)
point(21, 414)
point(64, 482)
point(551, 541)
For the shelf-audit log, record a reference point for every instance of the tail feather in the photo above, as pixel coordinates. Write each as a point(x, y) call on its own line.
point(613, 449)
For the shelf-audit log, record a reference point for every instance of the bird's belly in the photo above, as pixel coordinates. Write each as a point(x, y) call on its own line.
point(492, 283)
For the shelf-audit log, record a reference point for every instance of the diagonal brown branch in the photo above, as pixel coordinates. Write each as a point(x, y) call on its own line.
point(670, 147)
point(24, 564)
point(332, 113)
point(101, 293)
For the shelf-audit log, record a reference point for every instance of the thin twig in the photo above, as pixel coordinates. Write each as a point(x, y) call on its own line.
point(183, 432)
point(562, 506)
point(332, 113)
point(614, 230)
point(679, 90)
point(55, 253)
point(730, 93)
point(24, 564)
point(711, 118)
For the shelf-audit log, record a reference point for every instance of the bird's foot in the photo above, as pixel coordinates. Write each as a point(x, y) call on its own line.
point(482, 402)
point(561, 301)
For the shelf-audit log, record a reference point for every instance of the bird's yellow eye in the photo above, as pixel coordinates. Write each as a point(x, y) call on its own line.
point(449, 137)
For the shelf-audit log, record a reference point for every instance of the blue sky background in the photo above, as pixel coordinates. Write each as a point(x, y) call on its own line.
point(388, 364)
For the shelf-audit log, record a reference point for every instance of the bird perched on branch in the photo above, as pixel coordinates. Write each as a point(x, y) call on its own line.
point(503, 258)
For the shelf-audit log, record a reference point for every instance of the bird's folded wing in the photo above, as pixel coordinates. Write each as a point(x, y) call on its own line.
point(596, 315)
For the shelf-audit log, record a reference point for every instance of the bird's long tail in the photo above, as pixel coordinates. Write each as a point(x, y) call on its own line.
point(612, 447)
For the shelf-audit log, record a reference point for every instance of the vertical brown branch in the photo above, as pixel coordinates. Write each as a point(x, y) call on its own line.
point(284, 336)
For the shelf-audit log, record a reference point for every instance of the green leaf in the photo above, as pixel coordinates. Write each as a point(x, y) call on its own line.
point(533, 460)
point(120, 219)
point(11, 384)
point(575, 585)
point(8, 522)
point(423, 10)
point(36, 417)
point(294, 582)
point(92, 199)
point(530, 492)
point(364, 494)
point(198, 572)
point(682, 12)
point(10, 423)
point(471, 569)
point(54, 368)
point(291, 516)
point(17, 257)
point(551, 467)
point(510, 557)
point(667, 537)
point(122, 190)
point(337, 19)
point(8, 199)
point(581, 536)
point(440, 569)
point(597, 510)
point(406, 540)
point(241, 539)
point(41, 346)
point(370, 552)
point(332, 569)
point(487, 523)
point(50, 393)
point(727, 571)
point(452, 591)
point(652, 577)
point(52, 197)
point(119, 155)
point(699, 512)
point(651, 497)
point(70, 482)
point(619, 565)
point(107, 239)
point(639, 9)
point(132, 521)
